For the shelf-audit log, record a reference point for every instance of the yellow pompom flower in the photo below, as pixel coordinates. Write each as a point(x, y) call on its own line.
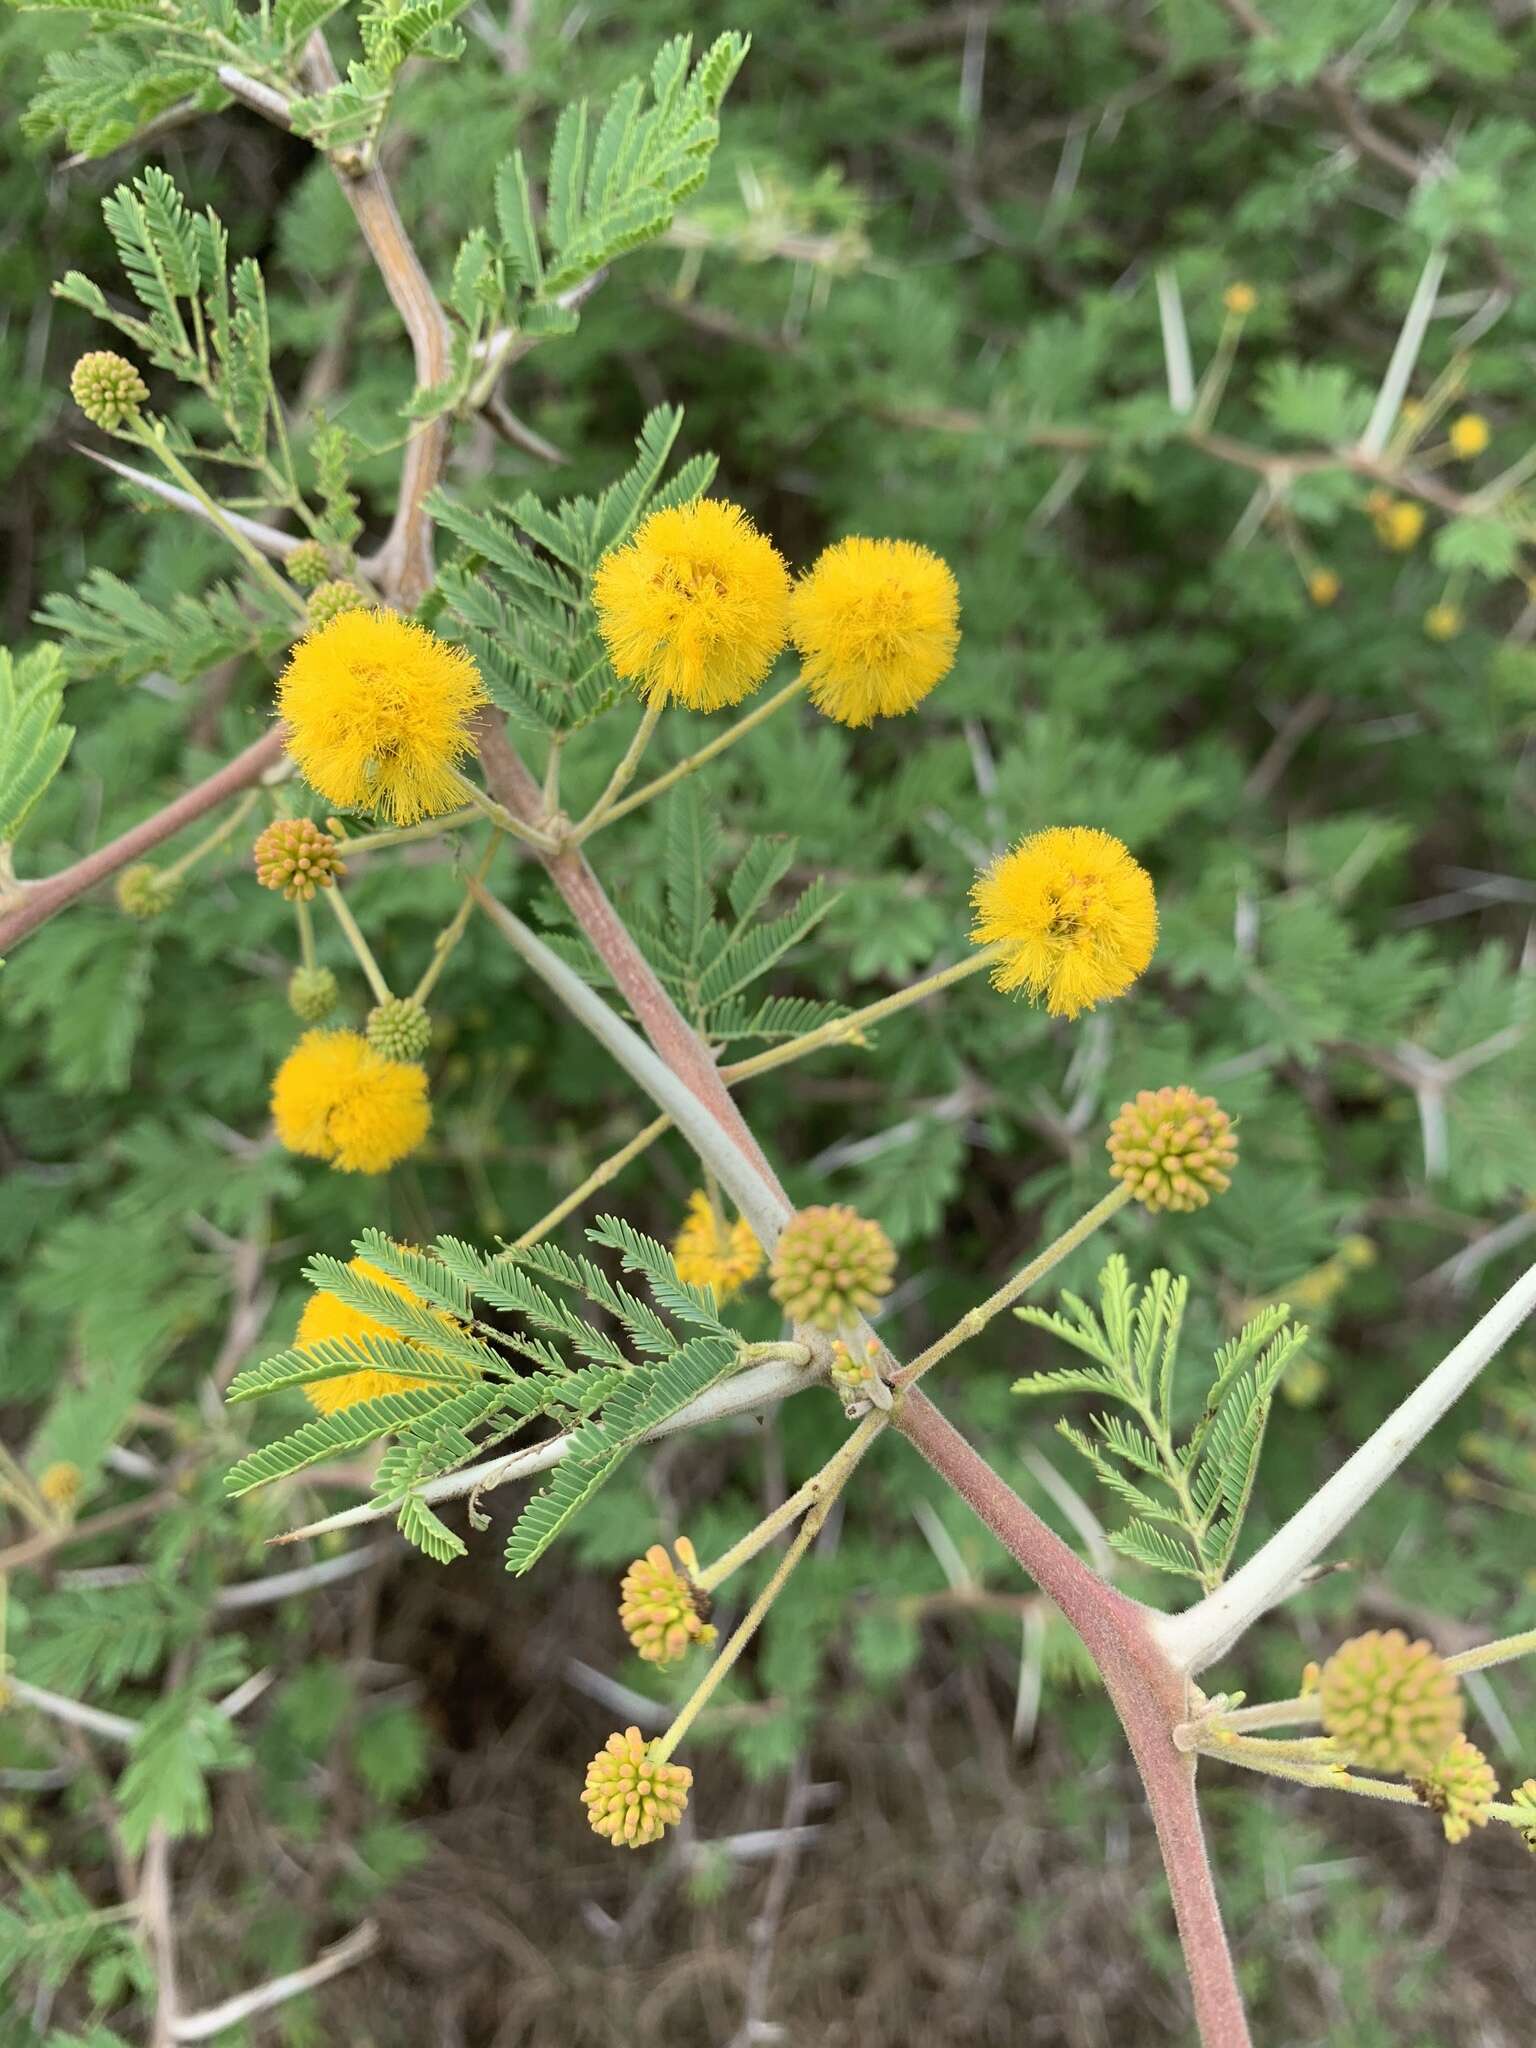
point(711, 1253)
point(876, 623)
point(1469, 435)
point(1443, 621)
point(335, 1098)
point(1323, 587)
point(378, 710)
point(662, 1611)
point(630, 1798)
point(1398, 521)
point(1172, 1148)
point(61, 1485)
point(1460, 1786)
point(695, 607)
point(1075, 913)
point(327, 1316)
point(1391, 1704)
point(1240, 299)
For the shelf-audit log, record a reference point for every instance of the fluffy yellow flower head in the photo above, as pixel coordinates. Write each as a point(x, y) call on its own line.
point(1323, 587)
point(1460, 1787)
point(1240, 299)
point(876, 623)
point(1075, 912)
point(711, 1253)
point(629, 1798)
point(327, 1315)
point(1469, 435)
point(1390, 1703)
point(1443, 621)
point(661, 1609)
point(1398, 521)
point(695, 607)
point(377, 710)
point(335, 1098)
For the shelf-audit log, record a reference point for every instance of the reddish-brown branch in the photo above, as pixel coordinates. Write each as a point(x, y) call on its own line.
point(403, 565)
point(1149, 1695)
point(669, 1032)
point(41, 899)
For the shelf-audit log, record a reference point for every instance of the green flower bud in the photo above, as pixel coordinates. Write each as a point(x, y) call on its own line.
point(308, 565)
point(145, 891)
point(330, 600)
point(312, 993)
point(107, 388)
point(400, 1029)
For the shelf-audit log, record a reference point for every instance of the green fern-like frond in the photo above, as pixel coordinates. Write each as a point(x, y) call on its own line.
point(1187, 1499)
point(33, 744)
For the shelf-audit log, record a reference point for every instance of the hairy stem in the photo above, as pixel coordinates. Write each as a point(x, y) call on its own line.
point(976, 1319)
point(43, 899)
point(694, 762)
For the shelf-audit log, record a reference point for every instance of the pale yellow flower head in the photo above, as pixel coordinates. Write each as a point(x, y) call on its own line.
point(1389, 1703)
point(695, 607)
point(661, 1609)
point(335, 1098)
point(877, 625)
point(1075, 913)
point(712, 1253)
point(378, 711)
point(327, 1316)
point(1398, 521)
point(1443, 621)
point(831, 1264)
point(1323, 587)
point(1460, 1786)
point(629, 1797)
point(1240, 299)
point(1173, 1148)
point(1469, 435)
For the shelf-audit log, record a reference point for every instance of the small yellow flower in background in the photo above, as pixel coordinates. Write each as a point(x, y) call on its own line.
point(1240, 299)
point(1412, 410)
point(1398, 521)
point(1323, 587)
point(629, 1798)
point(327, 1316)
point(1460, 1787)
point(695, 607)
point(1389, 1703)
point(377, 710)
point(1076, 913)
point(661, 1610)
point(61, 1485)
point(1443, 621)
point(711, 1253)
point(877, 625)
point(1172, 1148)
point(335, 1098)
point(297, 856)
point(1469, 435)
point(831, 1263)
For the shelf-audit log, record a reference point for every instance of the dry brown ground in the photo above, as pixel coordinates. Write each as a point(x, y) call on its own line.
point(944, 1900)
